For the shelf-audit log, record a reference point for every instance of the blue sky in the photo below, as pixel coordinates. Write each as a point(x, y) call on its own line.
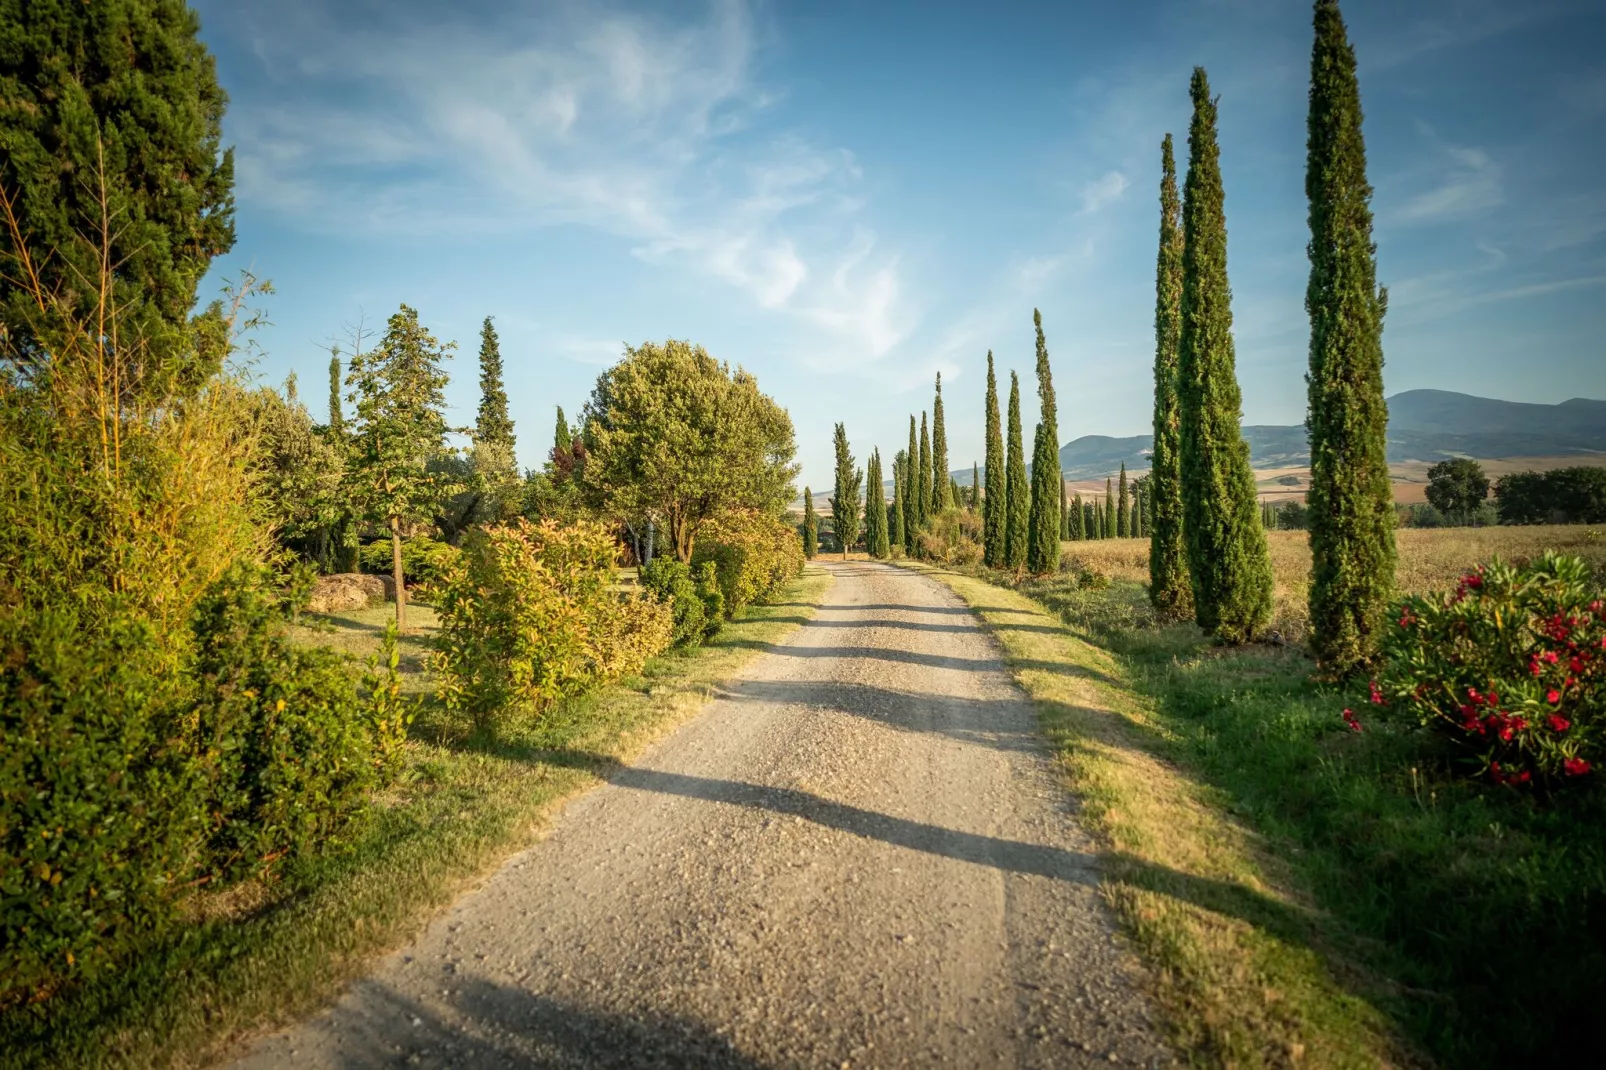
point(847, 197)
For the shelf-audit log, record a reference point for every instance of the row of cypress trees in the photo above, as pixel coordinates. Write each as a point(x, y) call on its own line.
point(1208, 552)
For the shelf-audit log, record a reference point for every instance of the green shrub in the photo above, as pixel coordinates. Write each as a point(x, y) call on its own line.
point(672, 582)
point(953, 538)
point(713, 599)
point(754, 555)
point(529, 614)
point(424, 560)
point(1510, 666)
point(287, 739)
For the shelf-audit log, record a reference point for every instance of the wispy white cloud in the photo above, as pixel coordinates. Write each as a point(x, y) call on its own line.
point(622, 122)
point(1103, 191)
point(1469, 183)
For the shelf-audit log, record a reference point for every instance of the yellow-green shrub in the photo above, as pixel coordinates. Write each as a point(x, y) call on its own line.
point(529, 614)
point(754, 555)
point(424, 560)
point(952, 538)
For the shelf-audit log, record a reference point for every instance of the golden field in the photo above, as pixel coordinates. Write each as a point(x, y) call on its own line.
point(1430, 558)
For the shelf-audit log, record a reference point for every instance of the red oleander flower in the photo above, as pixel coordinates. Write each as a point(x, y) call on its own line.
point(1536, 668)
point(1521, 778)
point(1351, 720)
point(1559, 723)
point(1553, 696)
point(1552, 657)
point(1575, 766)
point(1377, 694)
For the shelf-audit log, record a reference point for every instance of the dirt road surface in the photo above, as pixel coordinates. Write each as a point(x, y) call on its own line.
point(858, 855)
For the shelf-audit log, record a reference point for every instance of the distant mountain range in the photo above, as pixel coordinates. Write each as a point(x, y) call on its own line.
point(1424, 425)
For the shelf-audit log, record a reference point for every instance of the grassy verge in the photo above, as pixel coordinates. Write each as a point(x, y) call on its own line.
point(1243, 965)
point(1366, 901)
point(262, 955)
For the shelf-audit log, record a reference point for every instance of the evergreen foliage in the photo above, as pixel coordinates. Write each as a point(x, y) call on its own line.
point(1123, 508)
point(845, 503)
point(562, 435)
point(1170, 589)
point(496, 466)
point(337, 418)
point(911, 494)
point(110, 143)
point(923, 484)
point(1043, 547)
point(897, 532)
point(1228, 559)
point(876, 541)
point(811, 526)
point(1110, 530)
point(1352, 504)
point(942, 498)
point(1018, 503)
point(1065, 513)
point(399, 390)
point(1078, 520)
point(995, 504)
point(975, 486)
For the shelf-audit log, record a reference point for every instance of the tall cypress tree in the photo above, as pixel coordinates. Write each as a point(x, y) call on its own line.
point(1123, 508)
point(1109, 508)
point(845, 504)
point(895, 524)
point(1065, 513)
point(811, 526)
point(911, 494)
point(941, 489)
point(995, 504)
point(975, 486)
point(1228, 560)
point(562, 437)
point(495, 462)
point(875, 509)
point(1018, 494)
point(1078, 520)
point(1043, 547)
point(337, 419)
point(1351, 503)
point(1170, 589)
point(923, 483)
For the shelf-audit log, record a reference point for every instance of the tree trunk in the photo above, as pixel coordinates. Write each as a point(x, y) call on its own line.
point(396, 573)
point(651, 528)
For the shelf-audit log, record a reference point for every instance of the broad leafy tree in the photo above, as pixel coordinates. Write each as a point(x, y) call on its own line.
point(398, 388)
point(1228, 560)
point(1351, 500)
point(1456, 488)
point(676, 438)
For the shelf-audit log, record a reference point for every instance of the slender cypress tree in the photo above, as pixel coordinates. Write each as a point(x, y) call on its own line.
point(1123, 508)
point(562, 436)
point(1065, 513)
point(1170, 589)
point(975, 486)
point(928, 499)
point(845, 505)
point(1018, 494)
point(337, 419)
point(875, 509)
point(492, 425)
point(895, 523)
point(1228, 560)
point(911, 494)
point(811, 526)
point(1078, 520)
point(994, 505)
point(941, 489)
point(1090, 518)
point(1351, 503)
point(1043, 547)
point(1110, 530)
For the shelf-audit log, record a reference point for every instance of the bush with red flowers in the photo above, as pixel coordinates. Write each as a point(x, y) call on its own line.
point(1511, 665)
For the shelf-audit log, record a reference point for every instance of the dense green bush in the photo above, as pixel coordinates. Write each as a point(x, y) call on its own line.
point(953, 538)
point(713, 598)
point(1559, 496)
point(1510, 665)
point(530, 613)
point(697, 604)
point(754, 555)
point(424, 560)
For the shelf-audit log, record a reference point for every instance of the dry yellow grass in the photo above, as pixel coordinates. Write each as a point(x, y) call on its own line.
point(1430, 558)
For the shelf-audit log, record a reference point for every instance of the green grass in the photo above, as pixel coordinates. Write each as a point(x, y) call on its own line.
point(1393, 907)
point(257, 956)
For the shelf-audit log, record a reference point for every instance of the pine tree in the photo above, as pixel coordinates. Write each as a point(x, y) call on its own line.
point(845, 504)
point(337, 419)
point(995, 504)
point(1351, 502)
point(1170, 589)
point(495, 462)
point(911, 494)
point(875, 509)
point(895, 523)
point(923, 485)
point(1043, 548)
point(1123, 508)
point(1228, 560)
point(1018, 495)
point(1110, 529)
point(942, 498)
point(811, 526)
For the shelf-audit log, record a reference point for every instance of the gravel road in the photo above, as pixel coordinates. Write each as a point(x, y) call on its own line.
point(857, 855)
